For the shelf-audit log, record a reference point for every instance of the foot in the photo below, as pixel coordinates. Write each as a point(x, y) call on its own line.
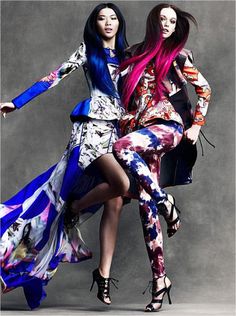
point(105, 298)
point(160, 287)
point(171, 214)
point(103, 286)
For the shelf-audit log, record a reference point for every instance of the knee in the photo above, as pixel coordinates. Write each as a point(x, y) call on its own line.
point(117, 205)
point(114, 206)
point(122, 186)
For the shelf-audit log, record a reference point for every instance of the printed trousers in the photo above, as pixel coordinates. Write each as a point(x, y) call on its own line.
point(140, 152)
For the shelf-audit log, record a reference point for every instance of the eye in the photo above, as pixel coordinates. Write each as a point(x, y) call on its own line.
point(114, 18)
point(173, 22)
point(100, 18)
point(162, 18)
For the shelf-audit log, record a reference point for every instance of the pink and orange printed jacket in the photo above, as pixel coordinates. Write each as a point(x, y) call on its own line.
point(175, 105)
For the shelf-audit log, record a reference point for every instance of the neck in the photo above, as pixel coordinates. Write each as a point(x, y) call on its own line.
point(109, 43)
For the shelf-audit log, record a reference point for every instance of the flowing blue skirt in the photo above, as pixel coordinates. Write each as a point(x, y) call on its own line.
point(33, 239)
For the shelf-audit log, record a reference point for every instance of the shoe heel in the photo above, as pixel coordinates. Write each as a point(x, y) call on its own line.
point(168, 294)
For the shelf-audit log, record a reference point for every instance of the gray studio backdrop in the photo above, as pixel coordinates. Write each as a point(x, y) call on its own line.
point(36, 38)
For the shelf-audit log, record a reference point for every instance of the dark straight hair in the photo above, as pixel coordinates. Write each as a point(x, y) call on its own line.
point(96, 58)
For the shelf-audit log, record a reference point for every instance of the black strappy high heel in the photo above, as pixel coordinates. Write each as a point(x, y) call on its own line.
point(169, 215)
point(103, 286)
point(150, 307)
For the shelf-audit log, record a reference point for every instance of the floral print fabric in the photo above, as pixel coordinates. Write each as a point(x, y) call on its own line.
point(33, 239)
point(101, 106)
point(95, 139)
point(144, 110)
point(140, 152)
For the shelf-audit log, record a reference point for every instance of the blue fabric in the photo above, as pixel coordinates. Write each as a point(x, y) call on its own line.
point(30, 188)
point(34, 292)
point(16, 273)
point(9, 219)
point(111, 60)
point(80, 110)
point(22, 267)
point(59, 230)
point(51, 217)
point(73, 172)
point(33, 287)
point(30, 93)
point(37, 207)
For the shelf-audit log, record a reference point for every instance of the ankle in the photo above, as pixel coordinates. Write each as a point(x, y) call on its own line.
point(160, 287)
point(161, 282)
point(105, 273)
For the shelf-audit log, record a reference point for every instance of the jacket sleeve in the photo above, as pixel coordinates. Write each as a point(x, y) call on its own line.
point(202, 89)
point(78, 58)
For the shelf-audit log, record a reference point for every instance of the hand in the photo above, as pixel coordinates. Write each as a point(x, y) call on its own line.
point(6, 107)
point(192, 133)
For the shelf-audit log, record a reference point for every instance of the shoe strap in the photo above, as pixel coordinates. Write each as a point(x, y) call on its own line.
point(150, 286)
point(164, 289)
point(155, 300)
point(175, 221)
point(104, 285)
point(112, 280)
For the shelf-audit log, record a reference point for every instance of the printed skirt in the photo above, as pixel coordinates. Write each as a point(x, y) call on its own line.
point(33, 239)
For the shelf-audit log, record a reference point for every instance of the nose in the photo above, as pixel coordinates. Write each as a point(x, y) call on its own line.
point(166, 23)
point(108, 22)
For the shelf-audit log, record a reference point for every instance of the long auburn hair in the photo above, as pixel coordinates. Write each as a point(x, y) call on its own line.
point(163, 51)
point(96, 58)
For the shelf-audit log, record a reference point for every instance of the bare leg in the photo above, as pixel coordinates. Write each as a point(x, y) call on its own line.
point(108, 233)
point(117, 184)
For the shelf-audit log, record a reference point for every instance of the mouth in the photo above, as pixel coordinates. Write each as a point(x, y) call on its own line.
point(165, 31)
point(108, 30)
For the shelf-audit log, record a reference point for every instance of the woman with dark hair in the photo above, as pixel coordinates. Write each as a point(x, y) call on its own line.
point(155, 96)
point(34, 239)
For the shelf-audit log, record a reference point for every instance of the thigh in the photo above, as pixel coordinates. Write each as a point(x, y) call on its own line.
point(154, 139)
point(111, 169)
point(146, 140)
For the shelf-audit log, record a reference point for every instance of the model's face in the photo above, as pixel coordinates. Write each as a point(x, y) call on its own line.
point(168, 20)
point(107, 23)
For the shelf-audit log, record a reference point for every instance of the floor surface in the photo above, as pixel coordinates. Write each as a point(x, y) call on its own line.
point(167, 310)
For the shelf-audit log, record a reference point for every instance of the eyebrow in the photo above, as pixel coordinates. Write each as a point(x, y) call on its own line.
point(106, 15)
point(164, 16)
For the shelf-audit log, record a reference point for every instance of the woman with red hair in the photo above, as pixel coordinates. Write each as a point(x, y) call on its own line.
point(159, 117)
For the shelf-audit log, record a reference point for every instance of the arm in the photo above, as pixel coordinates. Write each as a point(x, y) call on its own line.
point(203, 92)
point(77, 59)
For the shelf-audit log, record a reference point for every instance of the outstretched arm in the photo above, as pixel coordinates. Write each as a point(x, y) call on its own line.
point(77, 59)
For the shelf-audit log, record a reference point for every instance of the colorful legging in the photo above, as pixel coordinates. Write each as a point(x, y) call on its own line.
point(140, 152)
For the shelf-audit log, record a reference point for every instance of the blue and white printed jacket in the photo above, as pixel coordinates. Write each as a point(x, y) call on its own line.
point(99, 106)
